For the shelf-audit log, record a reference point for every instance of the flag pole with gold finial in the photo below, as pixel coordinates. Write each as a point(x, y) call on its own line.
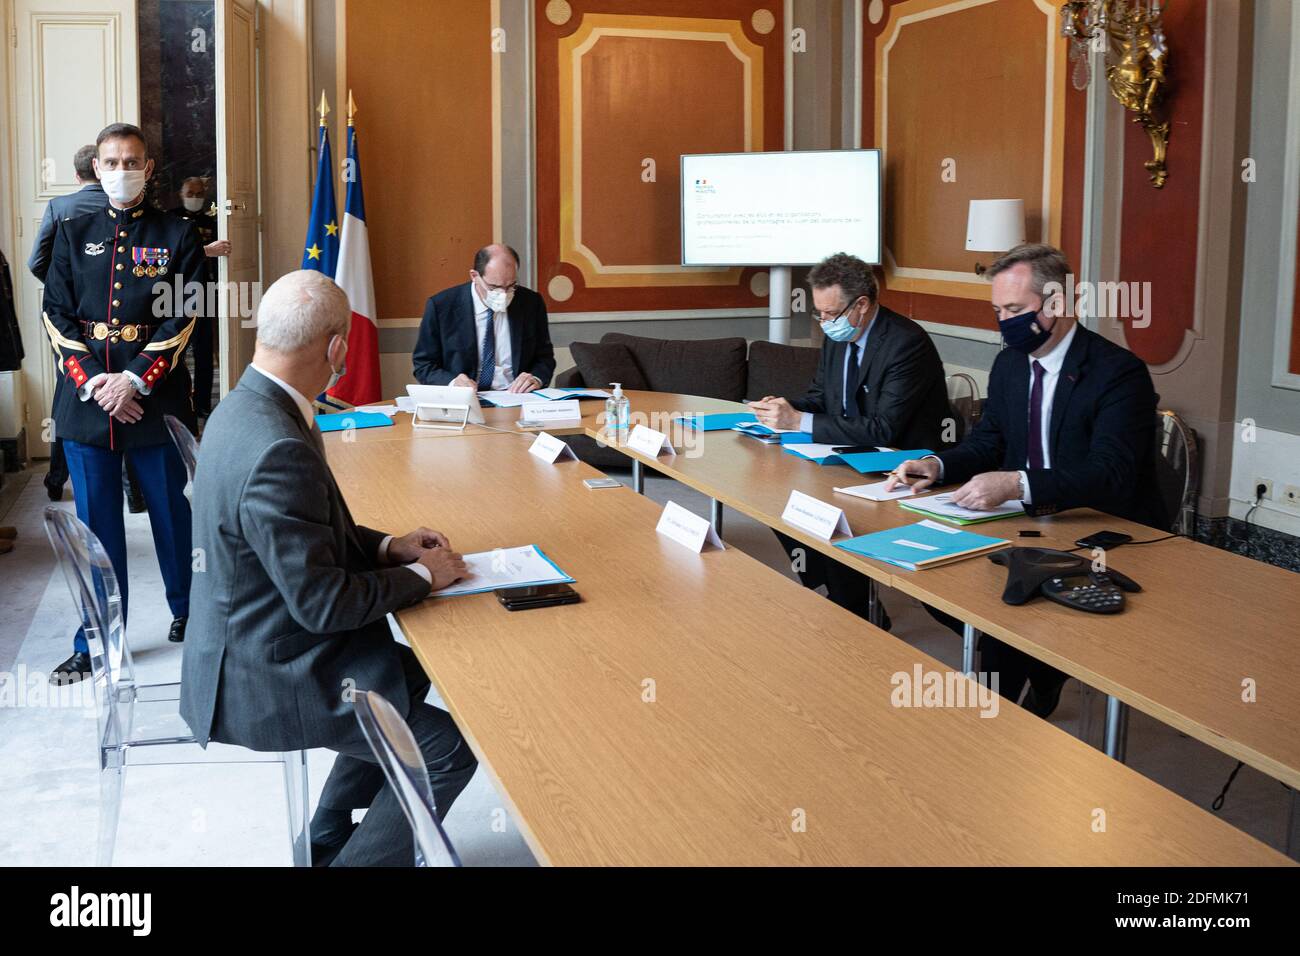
point(323, 108)
point(352, 107)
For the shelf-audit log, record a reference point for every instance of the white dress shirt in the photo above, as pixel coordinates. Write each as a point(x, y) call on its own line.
point(305, 409)
point(1051, 363)
point(501, 376)
point(806, 419)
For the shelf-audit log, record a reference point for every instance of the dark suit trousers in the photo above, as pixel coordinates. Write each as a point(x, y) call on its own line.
point(849, 589)
point(357, 781)
point(1013, 667)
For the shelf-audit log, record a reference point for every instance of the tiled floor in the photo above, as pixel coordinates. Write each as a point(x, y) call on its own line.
point(235, 814)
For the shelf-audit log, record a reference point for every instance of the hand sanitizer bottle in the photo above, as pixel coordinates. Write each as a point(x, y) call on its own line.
point(617, 409)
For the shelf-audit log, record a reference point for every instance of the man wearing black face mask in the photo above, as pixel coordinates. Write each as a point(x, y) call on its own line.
point(1069, 423)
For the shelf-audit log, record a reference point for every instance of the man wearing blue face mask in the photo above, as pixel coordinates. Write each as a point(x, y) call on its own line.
point(1069, 423)
point(880, 382)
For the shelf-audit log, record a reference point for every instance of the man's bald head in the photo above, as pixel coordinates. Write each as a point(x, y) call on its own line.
point(490, 253)
point(301, 310)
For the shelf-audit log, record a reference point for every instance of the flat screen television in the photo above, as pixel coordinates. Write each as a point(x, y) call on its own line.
point(788, 208)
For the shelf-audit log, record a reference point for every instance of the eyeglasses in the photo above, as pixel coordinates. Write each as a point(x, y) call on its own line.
point(503, 288)
point(832, 316)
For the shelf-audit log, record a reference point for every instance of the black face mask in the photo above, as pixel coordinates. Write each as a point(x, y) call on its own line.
point(1024, 332)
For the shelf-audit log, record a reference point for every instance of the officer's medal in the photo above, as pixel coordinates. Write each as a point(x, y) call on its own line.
point(164, 257)
point(138, 255)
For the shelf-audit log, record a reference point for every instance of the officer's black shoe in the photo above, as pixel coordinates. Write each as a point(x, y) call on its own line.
point(54, 491)
point(75, 668)
point(1042, 701)
point(177, 632)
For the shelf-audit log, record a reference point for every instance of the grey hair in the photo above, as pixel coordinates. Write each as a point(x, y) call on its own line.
point(1047, 264)
point(299, 309)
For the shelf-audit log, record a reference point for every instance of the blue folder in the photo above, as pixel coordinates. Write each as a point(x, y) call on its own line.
point(865, 462)
point(340, 421)
point(762, 431)
point(716, 422)
point(918, 545)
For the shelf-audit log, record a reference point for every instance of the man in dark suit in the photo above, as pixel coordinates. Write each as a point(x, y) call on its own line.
point(1069, 423)
point(880, 383)
point(86, 199)
point(490, 332)
point(288, 615)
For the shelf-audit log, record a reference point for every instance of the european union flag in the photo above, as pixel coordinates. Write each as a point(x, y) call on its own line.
point(321, 251)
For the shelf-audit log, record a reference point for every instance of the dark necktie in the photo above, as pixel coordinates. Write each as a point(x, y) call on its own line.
point(488, 366)
point(1036, 417)
point(851, 367)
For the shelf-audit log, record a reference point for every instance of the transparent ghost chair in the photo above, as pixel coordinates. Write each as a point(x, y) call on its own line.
point(404, 768)
point(95, 593)
point(187, 445)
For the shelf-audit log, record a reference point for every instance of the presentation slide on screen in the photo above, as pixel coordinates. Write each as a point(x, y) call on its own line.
point(780, 208)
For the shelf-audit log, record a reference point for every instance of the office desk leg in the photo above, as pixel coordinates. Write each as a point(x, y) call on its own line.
point(638, 477)
point(715, 515)
point(874, 614)
point(969, 638)
point(1116, 728)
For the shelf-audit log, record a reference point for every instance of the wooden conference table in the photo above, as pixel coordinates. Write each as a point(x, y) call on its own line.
point(702, 709)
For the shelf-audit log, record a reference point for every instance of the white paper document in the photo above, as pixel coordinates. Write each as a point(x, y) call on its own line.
point(389, 410)
point(505, 568)
point(504, 399)
point(812, 450)
point(876, 491)
point(544, 411)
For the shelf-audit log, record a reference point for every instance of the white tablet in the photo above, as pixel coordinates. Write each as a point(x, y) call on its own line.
point(456, 404)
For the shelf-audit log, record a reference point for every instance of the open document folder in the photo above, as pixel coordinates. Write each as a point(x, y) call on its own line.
point(506, 568)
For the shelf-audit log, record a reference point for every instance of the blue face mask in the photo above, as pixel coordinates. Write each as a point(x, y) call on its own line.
point(1024, 333)
point(839, 329)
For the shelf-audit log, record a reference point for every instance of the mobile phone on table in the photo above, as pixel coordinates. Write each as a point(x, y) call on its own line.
point(1104, 540)
point(536, 595)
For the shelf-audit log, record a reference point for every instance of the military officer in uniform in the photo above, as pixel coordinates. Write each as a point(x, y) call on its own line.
point(119, 343)
point(196, 208)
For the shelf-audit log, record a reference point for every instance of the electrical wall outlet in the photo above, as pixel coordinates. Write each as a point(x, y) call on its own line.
point(1268, 488)
point(1291, 496)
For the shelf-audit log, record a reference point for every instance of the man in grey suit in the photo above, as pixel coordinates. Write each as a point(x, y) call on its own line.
point(288, 602)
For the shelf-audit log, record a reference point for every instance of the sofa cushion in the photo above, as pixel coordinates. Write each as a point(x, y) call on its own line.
point(782, 370)
point(600, 365)
point(714, 368)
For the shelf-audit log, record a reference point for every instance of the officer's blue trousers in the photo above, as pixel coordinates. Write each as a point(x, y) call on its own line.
point(97, 485)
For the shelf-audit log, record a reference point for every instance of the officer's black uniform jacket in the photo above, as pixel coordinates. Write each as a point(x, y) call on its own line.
point(104, 312)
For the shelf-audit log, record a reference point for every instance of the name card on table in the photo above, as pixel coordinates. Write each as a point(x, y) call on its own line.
point(649, 442)
point(550, 449)
point(685, 528)
point(816, 517)
point(537, 413)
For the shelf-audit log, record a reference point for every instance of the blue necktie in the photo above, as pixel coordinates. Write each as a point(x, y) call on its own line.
point(488, 365)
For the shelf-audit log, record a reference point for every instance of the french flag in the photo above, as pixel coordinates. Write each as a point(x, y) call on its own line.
point(360, 383)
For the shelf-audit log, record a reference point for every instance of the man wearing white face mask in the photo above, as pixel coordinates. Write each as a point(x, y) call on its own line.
point(119, 339)
point(490, 332)
point(196, 208)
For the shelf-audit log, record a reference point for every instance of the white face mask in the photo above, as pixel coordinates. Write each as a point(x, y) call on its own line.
point(498, 300)
point(123, 185)
point(336, 374)
point(192, 203)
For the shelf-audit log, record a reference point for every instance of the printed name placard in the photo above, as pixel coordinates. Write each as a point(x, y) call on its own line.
point(562, 411)
point(685, 528)
point(649, 442)
point(816, 517)
point(550, 449)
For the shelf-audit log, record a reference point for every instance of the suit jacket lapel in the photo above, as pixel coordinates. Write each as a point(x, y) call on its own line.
point(468, 326)
point(1017, 402)
point(879, 331)
point(1071, 373)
